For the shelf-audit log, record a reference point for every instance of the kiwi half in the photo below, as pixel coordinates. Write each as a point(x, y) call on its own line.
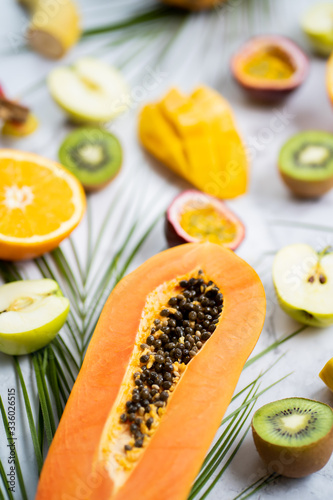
point(93, 155)
point(294, 436)
point(306, 163)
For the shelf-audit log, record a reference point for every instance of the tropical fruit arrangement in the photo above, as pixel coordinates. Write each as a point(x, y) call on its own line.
point(175, 334)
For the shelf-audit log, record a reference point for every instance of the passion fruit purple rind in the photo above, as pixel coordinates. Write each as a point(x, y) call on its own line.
point(194, 216)
point(269, 67)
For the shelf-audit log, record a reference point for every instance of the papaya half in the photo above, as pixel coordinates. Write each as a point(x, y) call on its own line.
point(137, 427)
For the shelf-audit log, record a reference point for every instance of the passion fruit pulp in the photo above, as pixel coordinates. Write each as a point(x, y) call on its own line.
point(194, 216)
point(269, 67)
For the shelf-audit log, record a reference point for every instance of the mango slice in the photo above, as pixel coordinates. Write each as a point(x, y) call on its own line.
point(196, 137)
point(326, 374)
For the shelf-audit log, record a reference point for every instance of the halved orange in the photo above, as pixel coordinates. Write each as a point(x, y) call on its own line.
point(40, 204)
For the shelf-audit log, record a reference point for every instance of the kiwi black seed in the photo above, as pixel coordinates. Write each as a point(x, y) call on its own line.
point(294, 436)
point(93, 155)
point(306, 163)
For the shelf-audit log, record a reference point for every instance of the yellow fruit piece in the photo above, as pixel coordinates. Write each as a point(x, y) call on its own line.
point(55, 26)
point(326, 374)
point(197, 138)
point(40, 204)
point(21, 129)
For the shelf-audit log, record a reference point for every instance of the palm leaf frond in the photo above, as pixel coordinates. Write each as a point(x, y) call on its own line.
point(256, 486)
point(32, 426)
point(17, 461)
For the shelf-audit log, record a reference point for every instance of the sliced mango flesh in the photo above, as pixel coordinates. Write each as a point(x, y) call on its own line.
point(326, 374)
point(196, 137)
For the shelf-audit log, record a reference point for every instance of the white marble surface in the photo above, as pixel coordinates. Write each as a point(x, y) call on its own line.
point(200, 53)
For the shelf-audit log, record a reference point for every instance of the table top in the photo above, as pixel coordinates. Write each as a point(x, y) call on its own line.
point(187, 51)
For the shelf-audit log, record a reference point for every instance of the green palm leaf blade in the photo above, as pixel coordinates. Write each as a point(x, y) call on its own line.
point(52, 376)
point(220, 449)
point(48, 418)
point(256, 486)
point(17, 461)
point(4, 480)
point(32, 426)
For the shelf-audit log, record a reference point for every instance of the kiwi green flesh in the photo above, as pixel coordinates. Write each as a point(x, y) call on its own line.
point(293, 422)
point(308, 156)
point(93, 155)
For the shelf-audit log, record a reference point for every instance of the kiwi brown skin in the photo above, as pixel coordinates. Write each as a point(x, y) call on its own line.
point(292, 461)
point(307, 189)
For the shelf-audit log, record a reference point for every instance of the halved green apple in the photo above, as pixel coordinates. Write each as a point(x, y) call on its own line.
point(90, 91)
point(303, 280)
point(317, 23)
point(31, 314)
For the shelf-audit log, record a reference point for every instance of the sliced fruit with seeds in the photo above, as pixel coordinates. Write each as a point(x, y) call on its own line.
point(303, 280)
point(31, 314)
point(269, 67)
point(140, 433)
point(90, 91)
point(194, 216)
point(93, 155)
point(294, 436)
point(306, 163)
point(326, 374)
point(40, 204)
point(317, 23)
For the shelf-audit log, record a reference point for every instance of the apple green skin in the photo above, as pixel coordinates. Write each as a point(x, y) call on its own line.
point(26, 342)
point(323, 45)
point(305, 317)
point(81, 119)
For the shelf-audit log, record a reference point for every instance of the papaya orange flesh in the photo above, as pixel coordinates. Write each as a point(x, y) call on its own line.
point(78, 462)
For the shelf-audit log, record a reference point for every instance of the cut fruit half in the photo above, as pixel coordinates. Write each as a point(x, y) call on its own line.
point(93, 155)
point(194, 216)
point(31, 314)
point(326, 374)
point(90, 90)
point(157, 378)
point(317, 23)
point(306, 163)
point(303, 280)
point(294, 436)
point(269, 66)
point(40, 204)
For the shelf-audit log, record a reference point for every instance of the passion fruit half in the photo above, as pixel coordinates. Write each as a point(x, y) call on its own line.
point(194, 216)
point(269, 67)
